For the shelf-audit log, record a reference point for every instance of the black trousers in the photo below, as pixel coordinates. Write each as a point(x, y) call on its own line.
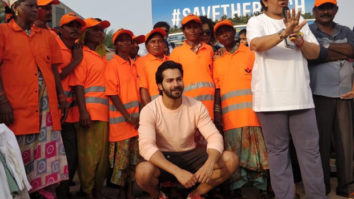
point(69, 137)
point(335, 120)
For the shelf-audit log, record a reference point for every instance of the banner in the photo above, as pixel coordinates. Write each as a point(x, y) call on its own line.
point(173, 11)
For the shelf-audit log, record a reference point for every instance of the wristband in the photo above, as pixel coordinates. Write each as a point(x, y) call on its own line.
point(281, 35)
point(302, 42)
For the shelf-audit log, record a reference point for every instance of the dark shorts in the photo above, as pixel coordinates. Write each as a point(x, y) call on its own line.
point(190, 160)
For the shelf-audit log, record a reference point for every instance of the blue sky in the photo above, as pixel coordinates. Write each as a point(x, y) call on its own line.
point(136, 15)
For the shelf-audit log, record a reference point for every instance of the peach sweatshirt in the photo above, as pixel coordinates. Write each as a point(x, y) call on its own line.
point(164, 129)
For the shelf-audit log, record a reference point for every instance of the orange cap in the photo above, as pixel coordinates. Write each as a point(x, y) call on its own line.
point(121, 31)
point(191, 17)
point(320, 2)
point(225, 22)
point(91, 22)
point(156, 30)
point(68, 18)
point(140, 39)
point(47, 2)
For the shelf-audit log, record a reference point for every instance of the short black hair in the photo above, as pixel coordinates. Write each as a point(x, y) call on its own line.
point(164, 66)
point(206, 20)
point(243, 31)
point(162, 24)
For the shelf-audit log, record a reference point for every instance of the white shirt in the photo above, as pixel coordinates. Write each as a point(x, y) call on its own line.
point(9, 147)
point(280, 77)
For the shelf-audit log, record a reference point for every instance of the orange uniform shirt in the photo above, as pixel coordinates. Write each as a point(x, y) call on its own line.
point(70, 97)
point(147, 67)
point(121, 79)
point(90, 75)
point(21, 56)
point(232, 75)
point(197, 78)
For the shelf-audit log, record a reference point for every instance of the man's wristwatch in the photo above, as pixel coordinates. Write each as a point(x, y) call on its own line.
point(281, 34)
point(325, 44)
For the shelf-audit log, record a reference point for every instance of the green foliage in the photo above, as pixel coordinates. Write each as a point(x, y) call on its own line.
point(2, 12)
point(175, 29)
point(108, 40)
point(308, 15)
point(240, 20)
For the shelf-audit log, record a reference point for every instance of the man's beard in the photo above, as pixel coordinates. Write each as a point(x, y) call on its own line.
point(171, 94)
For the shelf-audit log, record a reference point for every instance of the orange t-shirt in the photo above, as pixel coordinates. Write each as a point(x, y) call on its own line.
point(232, 75)
point(70, 97)
point(90, 75)
point(147, 67)
point(29, 53)
point(197, 78)
point(121, 79)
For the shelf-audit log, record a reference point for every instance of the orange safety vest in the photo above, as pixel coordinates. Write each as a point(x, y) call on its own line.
point(121, 79)
point(232, 75)
point(90, 75)
point(197, 78)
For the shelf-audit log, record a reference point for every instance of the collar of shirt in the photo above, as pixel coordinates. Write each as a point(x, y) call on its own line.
point(236, 49)
point(87, 49)
point(122, 61)
point(17, 28)
point(196, 49)
point(152, 57)
point(337, 29)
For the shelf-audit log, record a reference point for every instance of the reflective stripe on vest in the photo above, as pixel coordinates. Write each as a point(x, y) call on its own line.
point(96, 100)
point(126, 106)
point(236, 94)
point(238, 106)
point(204, 97)
point(199, 85)
point(121, 119)
point(95, 89)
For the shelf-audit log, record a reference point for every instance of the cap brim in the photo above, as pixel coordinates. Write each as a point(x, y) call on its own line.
point(117, 34)
point(55, 2)
point(192, 19)
point(217, 26)
point(125, 32)
point(104, 24)
point(140, 39)
point(157, 30)
point(52, 2)
point(320, 4)
point(82, 22)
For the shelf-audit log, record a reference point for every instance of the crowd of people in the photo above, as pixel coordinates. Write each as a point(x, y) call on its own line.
point(220, 111)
